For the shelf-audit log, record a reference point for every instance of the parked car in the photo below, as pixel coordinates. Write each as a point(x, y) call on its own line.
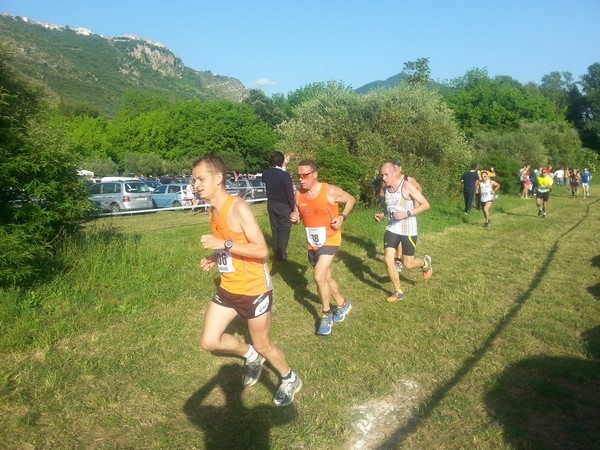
point(231, 189)
point(170, 196)
point(251, 189)
point(16, 198)
point(152, 184)
point(118, 196)
point(173, 180)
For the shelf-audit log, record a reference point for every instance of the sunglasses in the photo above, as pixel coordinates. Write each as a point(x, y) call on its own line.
point(304, 176)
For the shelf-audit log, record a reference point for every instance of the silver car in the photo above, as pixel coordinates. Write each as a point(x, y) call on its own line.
point(125, 195)
point(251, 189)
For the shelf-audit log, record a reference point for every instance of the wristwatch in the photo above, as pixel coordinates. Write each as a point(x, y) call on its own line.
point(409, 214)
point(228, 244)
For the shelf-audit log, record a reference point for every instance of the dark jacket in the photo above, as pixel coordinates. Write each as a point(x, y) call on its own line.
point(279, 186)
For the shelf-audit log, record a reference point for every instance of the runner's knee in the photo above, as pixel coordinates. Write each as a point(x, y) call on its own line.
point(209, 343)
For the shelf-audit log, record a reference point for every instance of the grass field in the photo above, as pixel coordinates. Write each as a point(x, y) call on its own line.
point(499, 349)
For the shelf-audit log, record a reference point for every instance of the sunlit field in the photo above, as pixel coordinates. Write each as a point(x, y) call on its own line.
point(499, 349)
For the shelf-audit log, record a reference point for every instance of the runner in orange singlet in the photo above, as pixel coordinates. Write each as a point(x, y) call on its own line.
point(245, 289)
point(317, 206)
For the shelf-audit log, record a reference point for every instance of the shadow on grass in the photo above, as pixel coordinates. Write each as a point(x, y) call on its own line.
point(437, 396)
point(230, 424)
point(367, 245)
point(294, 275)
point(550, 402)
point(360, 270)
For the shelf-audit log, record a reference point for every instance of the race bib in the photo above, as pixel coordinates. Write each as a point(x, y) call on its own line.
point(316, 236)
point(391, 210)
point(224, 261)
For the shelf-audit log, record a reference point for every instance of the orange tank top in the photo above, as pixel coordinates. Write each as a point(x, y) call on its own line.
point(317, 215)
point(239, 274)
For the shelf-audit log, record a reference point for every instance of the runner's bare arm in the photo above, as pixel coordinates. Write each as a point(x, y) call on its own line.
point(423, 204)
point(338, 195)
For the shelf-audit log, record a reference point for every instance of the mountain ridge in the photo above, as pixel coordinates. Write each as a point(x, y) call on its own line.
point(78, 66)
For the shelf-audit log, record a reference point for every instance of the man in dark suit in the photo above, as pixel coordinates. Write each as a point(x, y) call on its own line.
point(280, 204)
point(469, 181)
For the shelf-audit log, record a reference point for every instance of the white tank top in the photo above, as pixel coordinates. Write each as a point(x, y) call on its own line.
point(395, 201)
point(486, 191)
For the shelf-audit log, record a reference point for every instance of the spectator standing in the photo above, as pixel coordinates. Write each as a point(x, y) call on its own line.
point(245, 287)
point(280, 204)
point(469, 180)
point(317, 205)
point(559, 176)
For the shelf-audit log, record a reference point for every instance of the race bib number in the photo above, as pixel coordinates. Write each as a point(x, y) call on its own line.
point(316, 236)
point(224, 261)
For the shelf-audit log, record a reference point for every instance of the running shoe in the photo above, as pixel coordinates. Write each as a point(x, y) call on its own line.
point(396, 296)
point(427, 268)
point(540, 212)
point(544, 216)
point(325, 324)
point(286, 392)
point(485, 225)
point(342, 311)
point(253, 371)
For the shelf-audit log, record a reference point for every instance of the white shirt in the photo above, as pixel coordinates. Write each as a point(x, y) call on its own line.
point(395, 202)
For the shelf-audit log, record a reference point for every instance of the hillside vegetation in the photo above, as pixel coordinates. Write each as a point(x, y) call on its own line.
point(90, 69)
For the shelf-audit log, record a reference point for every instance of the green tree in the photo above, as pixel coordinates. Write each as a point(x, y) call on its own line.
point(417, 72)
point(590, 108)
point(102, 167)
point(308, 92)
point(143, 163)
point(556, 87)
point(41, 197)
point(406, 122)
point(482, 103)
point(264, 107)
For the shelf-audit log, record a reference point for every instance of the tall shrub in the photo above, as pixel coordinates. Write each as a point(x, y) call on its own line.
point(41, 197)
point(406, 123)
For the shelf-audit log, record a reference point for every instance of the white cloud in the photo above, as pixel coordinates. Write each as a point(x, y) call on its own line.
point(262, 82)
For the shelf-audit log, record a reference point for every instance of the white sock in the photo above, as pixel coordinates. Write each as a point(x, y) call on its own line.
point(251, 354)
point(290, 377)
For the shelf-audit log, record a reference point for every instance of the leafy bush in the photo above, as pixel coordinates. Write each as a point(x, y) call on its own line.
point(338, 168)
point(405, 123)
point(41, 196)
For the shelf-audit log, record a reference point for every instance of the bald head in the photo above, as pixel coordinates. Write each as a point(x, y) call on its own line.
point(389, 173)
point(388, 166)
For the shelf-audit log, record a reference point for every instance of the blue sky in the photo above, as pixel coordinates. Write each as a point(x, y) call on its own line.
point(280, 46)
